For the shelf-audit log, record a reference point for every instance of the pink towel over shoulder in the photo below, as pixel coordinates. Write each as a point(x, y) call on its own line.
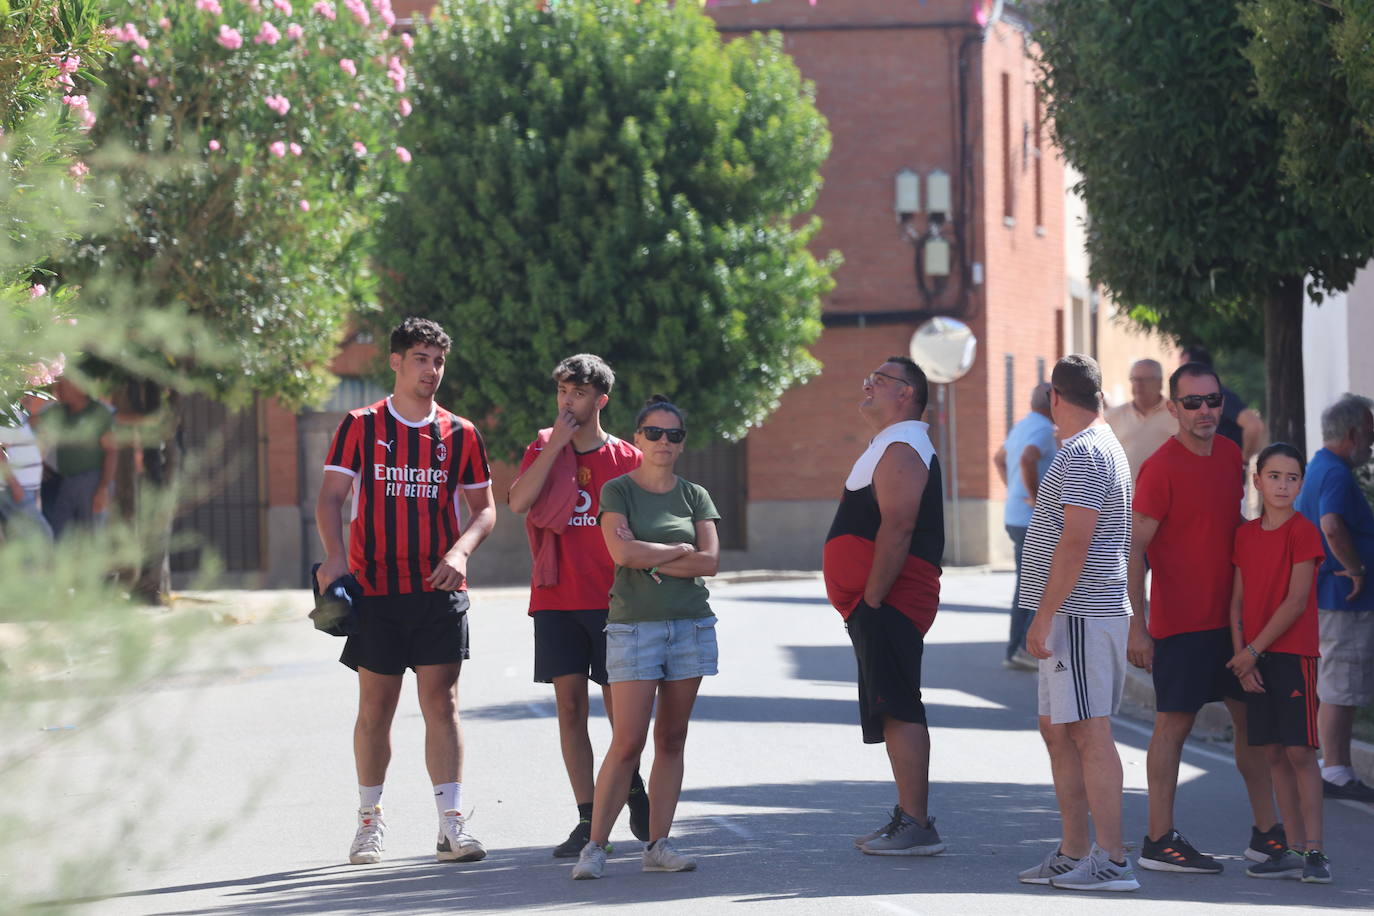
point(548, 517)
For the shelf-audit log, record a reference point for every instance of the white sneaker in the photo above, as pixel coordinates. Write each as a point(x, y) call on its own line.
point(455, 843)
point(369, 841)
point(591, 863)
point(1097, 872)
point(661, 856)
point(1055, 864)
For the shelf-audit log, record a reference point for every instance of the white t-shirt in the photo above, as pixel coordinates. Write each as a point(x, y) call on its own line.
point(22, 454)
point(1089, 470)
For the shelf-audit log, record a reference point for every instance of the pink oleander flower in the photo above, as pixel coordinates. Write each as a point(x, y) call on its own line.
point(153, 81)
point(294, 32)
point(267, 35)
point(87, 119)
point(283, 5)
point(295, 149)
point(388, 17)
point(69, 64)
point(65, 80)
point(210, 6)
point(347, 66)
point(254, 5)
point(359, 11)
point(277, 103)
point(359, 148)
point(408, 40)
point(357, 107)
point(278, 149)
point(325, 9)
point(79, 170)
point(214, 146)
point(404, 107)
point(137, 59)
point(164, 23)
point(75, 101)
point(38, 289)
point(305, 206)
point(402, 154)
point(230, 38)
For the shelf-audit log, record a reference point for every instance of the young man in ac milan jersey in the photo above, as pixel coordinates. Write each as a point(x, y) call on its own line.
point(407, 462)
point(559, 491)
point(1185, 514)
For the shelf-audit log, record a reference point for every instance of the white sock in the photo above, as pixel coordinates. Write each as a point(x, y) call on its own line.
point(369, 796)
point(1338, 775)
point(448, 796)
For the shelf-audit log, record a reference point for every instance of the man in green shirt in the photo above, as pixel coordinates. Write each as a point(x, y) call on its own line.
point(79, 431)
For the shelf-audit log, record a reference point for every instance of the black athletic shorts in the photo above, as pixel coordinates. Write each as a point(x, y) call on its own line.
point(403, 631)
point(570, 642)
point(888, 647)
point(1286, 713)
point(1190, 671)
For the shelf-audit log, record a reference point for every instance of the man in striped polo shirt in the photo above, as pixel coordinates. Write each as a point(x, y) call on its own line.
point(407, 462)
point(1073, 578)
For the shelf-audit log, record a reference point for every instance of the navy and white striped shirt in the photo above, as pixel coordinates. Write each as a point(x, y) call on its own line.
point(1089, 470)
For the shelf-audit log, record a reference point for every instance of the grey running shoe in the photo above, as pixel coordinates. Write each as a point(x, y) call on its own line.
point(1317, 868)
point(1056, 863)
point(455, 844)
point(661, 856)
point(368, 842)
point(1021, 660)
point(895, 821)
point(906, 838)
point(1097, 872)
point(1286, 864)
point(591, 863)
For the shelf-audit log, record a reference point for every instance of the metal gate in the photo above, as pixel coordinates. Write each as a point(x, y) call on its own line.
point(221, 508)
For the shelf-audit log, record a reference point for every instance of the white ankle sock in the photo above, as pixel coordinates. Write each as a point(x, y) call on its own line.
point(448, 796)
point(369, 796)
point(1339, 775)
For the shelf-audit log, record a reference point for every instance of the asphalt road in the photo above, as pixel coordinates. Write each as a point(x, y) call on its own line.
point(227, 787)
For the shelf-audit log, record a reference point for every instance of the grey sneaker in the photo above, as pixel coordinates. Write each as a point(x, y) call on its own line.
point(661, 856)
point(1097, 872)
point(906, 838)
point(1316, 867)
point(369, 841)
point(894, 821)
point(455, 844)
point(1285, 864)
point(1021, 660)
point(591, 863)
point(1056, 863)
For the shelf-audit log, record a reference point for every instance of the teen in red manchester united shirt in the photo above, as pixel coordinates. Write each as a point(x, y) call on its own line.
point(559, 493)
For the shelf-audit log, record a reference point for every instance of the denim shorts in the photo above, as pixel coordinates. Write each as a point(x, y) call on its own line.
point(661, 650)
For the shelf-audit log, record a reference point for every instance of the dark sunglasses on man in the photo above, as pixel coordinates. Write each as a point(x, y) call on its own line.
point(654, 433)
point(1194, 401)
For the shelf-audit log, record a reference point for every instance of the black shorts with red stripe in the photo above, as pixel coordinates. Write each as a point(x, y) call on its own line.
point(1286, 713)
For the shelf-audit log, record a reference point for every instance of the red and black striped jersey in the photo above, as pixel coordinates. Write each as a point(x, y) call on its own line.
point(407, 478)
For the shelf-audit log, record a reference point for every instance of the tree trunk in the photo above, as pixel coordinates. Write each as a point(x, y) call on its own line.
point(1283, 362)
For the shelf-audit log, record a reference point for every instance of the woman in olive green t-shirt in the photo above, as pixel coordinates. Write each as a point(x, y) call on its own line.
point(660, 633)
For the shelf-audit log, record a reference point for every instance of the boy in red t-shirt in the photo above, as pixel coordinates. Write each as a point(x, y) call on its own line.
point(1274, 633)
point(558, 491)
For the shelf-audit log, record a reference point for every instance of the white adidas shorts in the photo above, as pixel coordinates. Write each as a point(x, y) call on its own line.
point(1083, 676)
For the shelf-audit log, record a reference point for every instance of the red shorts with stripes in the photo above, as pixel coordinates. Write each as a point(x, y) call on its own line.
point(1286, 713)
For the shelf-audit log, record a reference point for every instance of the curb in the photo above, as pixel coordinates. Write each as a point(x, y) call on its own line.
point(1214, 722)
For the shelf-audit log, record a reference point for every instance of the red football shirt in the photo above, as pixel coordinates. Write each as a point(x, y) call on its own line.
point(1266, 560)
point(407, 478)
point(1196, 501)
point(585, 570)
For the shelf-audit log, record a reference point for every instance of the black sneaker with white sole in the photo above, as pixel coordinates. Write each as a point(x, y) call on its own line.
point(1172, 852)
point(571, 848)
point(1265, 844)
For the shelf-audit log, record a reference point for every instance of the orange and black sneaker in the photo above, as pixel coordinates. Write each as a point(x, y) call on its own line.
point(1265, 844)
point(1172, 852)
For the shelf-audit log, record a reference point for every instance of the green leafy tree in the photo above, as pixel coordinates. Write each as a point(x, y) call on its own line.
point(1191, 225)
point(609, 177)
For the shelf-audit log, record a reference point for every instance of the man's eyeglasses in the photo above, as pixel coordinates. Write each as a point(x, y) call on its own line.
point(654, 433)
point(869, 379)
point(1194, 401)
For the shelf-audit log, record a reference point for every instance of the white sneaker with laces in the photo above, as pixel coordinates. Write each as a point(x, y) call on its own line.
point(591, 863)
point(661, 856)
point(1054, 864)
point(369, 841)
point(455, 843)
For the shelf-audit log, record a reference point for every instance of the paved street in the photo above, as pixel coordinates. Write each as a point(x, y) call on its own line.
point(228, 787)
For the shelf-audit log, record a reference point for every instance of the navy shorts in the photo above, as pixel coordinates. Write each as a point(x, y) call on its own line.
point(888, 647)
point(1286, 713)
point(569, 642)
point(1190, 671)
point(404, 631)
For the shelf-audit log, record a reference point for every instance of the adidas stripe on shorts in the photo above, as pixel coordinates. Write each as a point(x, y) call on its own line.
point(1086, 670)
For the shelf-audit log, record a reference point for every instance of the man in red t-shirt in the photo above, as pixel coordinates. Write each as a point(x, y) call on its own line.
point(559, 491)
point(1186, 510)
point(407, 461)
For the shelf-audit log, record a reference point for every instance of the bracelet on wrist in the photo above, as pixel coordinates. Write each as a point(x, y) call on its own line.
point(1251, 649)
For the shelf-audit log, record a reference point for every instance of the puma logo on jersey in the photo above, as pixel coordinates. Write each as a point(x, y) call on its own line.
point(387, 445)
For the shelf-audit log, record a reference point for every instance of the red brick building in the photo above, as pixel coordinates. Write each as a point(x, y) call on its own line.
point(918, 85)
